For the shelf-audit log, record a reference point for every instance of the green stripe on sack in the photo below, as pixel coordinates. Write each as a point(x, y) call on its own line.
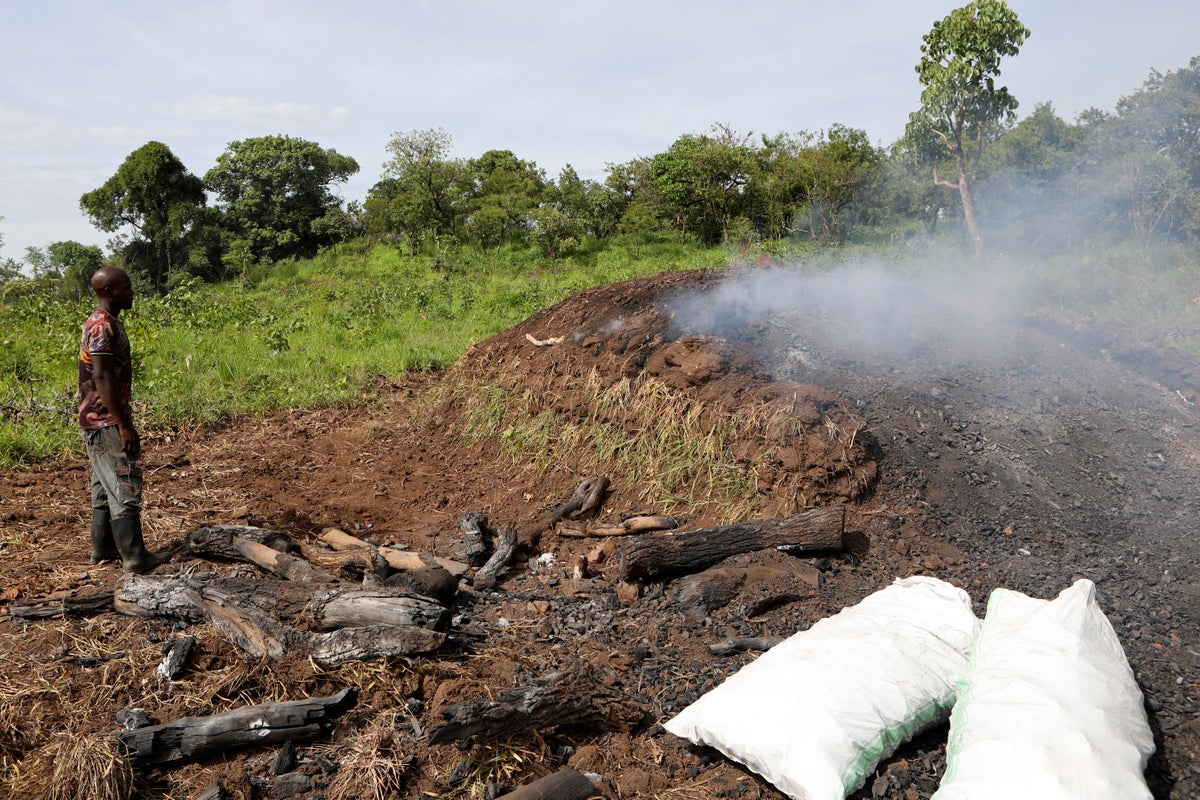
point(855, 773)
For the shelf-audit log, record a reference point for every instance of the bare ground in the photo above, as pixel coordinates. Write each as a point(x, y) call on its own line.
point(1067, 452)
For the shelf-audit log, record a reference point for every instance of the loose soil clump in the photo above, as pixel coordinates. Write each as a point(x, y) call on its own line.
point(1057, 452)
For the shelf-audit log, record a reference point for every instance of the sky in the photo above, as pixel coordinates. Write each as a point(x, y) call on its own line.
point(583, 82)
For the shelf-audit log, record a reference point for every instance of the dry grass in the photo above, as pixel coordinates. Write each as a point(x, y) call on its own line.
point(372, 763)
point(642, 432)
point(504, 763)
point(75, 767)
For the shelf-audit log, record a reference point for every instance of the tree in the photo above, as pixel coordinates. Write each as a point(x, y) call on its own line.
point(418, 194)
point(1035, 181)
point(962, 109)
point(839, 169)
point(503, 192)
point(629, 204)
point(702, 179)
point(76, 263)
point(9, 268)
point(1151, 148)
point(154, 194)
point(272, 189)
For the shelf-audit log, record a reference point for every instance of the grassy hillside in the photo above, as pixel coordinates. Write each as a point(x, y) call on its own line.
point(317, 332)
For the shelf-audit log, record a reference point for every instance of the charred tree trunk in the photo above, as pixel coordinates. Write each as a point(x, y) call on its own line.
point(667, 555)
point(63, 604)
point(474, 531)
point(194, 738)
point(506, 545)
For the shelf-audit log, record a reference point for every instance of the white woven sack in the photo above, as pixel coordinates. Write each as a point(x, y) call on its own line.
point(816, 713)
point(1048, 708)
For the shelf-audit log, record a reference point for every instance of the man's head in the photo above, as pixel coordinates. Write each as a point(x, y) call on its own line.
point(113, 288)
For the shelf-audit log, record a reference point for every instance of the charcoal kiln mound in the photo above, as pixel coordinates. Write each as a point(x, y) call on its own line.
point(1039, 453)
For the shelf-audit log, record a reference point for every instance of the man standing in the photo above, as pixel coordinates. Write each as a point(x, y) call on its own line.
point(113, 445)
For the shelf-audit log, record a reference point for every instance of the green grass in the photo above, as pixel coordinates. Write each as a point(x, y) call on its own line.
point(312, 333)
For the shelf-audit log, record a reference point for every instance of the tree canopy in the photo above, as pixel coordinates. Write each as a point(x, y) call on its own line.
point(275, 191)
point(154, 194)
point(962, 108)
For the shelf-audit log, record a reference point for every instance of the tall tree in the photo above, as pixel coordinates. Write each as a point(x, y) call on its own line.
point(840, 167)
point(274, 190)
point(154, 194)
point(703, 181)
point(962, 109)
point(503, 193)
point(418, 196)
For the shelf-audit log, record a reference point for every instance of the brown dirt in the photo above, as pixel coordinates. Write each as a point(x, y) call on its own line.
point(1069, 453)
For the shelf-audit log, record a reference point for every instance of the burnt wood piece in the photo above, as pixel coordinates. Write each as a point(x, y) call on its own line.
point(474, 531)
point(244, 622)
point(285, 566)
point(667, 555)
point(175, 654)
point(566, 784)
point(575, 696)
point(63, 604)
point(586, 501)
point(217, 791)
point(357, 560)
point(506, 545)
point(395, 557)
point(641, 524)
point(194, 738)
point(327, 606)
point(218, 540)
point(264, 548)
point(741, 645)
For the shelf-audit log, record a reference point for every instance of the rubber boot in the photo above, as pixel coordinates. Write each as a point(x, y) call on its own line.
point(104, 548)
point(127, 532)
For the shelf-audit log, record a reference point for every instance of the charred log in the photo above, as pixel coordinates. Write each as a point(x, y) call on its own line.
point(194, 738)
point(394, 556)
point(218, 540)
point(474, 531)
point(63, 604)
point(506, 545)
point(667, 555)
point(741, 645)
point(370, 624)
point(175, 655)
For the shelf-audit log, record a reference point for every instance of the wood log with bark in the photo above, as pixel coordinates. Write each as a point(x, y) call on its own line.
point(264, 548)
point(366, 624)
point(626, 527)
point(506, 545)
point(63, 604)
point(667, 555)
point(395, 557)
point(193, 738)
point(577, 695)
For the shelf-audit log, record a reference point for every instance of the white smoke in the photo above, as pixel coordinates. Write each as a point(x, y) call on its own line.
point(863, 312)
